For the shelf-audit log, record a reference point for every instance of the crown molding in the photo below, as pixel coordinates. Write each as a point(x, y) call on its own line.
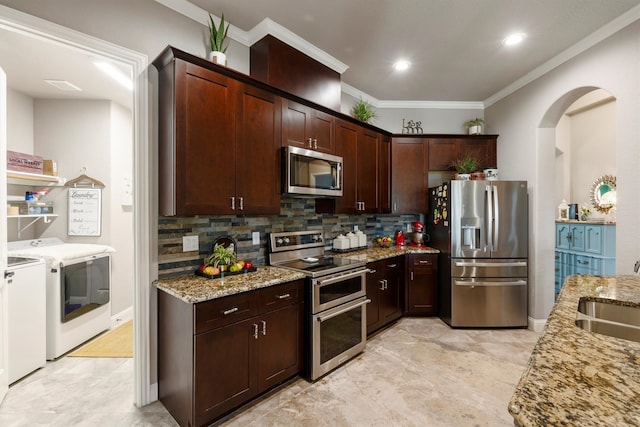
point(588, 42)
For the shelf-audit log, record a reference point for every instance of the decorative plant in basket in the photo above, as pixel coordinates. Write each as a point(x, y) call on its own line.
point(466, 165)
point(363, 111)
point(474, 126)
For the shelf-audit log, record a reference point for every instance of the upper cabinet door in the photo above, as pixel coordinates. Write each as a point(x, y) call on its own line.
point(442, 153)
point(194, 174)
point(409, 179)
point(346, 147)
point(367, 181)
point(257, 159)
point(305, 127)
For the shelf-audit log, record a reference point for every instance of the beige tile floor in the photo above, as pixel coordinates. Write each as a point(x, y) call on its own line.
point(419, 372)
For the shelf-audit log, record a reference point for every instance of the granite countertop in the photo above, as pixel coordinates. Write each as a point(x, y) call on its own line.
point(194, 288)
point(580, 378)
point(377, 253)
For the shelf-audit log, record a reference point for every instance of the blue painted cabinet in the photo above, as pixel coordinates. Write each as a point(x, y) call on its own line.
point(584, 248)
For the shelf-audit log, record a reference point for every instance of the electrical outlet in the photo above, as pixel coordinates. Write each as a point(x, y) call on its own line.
point(255, 238)
point(409, 227)
point(355, 228)
point(190, 243)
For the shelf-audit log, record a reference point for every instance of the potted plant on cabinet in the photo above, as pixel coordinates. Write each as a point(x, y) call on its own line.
point(217, 37)
point(465, 166)
point(474, 126)
point(363, 111)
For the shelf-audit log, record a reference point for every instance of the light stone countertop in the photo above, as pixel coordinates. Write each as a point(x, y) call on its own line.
point(377, 253)
point(580, 378)
point(194, 289)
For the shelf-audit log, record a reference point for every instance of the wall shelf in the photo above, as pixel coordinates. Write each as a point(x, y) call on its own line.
point(33, 179)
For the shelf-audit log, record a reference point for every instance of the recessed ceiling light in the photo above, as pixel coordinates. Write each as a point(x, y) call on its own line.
point(401, 65)
point(63, 85)
point(115, 74)
point(514, 39)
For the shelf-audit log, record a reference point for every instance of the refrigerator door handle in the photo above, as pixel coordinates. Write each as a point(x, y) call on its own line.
point(483, 283)
point(489, 208)
point(496, 223)
point(491, 264)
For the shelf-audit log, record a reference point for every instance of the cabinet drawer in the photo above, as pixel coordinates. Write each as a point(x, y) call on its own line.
point(278, 296)
point(225, 311)
point(586, 265)
point(423, 261)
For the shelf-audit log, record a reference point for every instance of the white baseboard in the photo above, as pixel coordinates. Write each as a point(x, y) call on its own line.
point(536, 325)
point(122, 317)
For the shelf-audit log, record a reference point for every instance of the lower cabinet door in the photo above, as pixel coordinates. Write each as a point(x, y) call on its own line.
point(375, 284)
point(280, 346)
point(224, 371)
point(390, 304)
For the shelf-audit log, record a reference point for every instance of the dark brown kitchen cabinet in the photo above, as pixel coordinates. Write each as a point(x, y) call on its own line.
point(360, 150)
point(422, 284)
point(214, 356)
point(215, 132)
point(384, 175)
point(409, 166)
point(444, 150)
point(306, 127)
point(384, 289)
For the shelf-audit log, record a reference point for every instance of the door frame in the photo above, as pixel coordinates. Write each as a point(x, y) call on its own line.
point(13, 20)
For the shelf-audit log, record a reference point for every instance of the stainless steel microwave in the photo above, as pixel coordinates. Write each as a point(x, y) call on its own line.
point(311, 173)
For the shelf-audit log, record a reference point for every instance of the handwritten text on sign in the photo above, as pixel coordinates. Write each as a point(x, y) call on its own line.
point(85, 212)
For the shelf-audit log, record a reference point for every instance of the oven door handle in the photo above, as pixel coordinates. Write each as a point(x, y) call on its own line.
point(344, 310)
point(340, 278)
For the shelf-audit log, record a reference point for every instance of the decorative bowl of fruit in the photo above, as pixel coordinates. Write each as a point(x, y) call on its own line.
point(384, 242)
point(223, 262)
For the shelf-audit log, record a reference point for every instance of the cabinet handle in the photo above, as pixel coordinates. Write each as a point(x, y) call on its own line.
point(264, 327)
point(231, 310)
point(424, 261)
point(412, 275)
point(372, 271)
point(392, 265)
point(255, 331)
point(310, 142)
point(386, 284)
point(395, 207)
point(233, 203)
point(283, 296)
point(381, 284)
point(241, 203)
point(315, 143)
point(583, 262)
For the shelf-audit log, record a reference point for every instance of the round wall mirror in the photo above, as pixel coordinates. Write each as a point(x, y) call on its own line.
point(603, 193)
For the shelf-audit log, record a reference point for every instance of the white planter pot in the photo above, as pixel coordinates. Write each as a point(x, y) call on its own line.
point(475, 130)
point(218, 58)
point(463, 176)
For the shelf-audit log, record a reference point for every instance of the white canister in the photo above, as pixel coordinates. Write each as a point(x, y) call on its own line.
point(341, 242)
point(353, 240)
point(362, 238)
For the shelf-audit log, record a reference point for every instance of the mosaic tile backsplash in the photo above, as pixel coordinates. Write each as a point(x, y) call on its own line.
point(296, 214)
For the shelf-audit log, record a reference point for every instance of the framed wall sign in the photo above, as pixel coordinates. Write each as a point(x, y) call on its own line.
point(85, 212)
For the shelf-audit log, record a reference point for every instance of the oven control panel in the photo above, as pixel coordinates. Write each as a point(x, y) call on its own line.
point(296, 240)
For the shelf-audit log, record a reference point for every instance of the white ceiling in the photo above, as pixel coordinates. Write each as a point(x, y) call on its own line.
point(28, 61)
point(454, 45)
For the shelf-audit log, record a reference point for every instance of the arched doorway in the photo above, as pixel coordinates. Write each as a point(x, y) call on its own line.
point(545, 206)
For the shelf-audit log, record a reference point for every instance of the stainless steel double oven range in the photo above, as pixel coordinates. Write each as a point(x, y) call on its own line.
point(335, 302)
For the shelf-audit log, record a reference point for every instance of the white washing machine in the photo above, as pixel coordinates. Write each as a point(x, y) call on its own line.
point(78, 282)
point(26, 316)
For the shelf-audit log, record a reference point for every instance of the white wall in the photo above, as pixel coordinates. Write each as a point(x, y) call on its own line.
point(527, 119)
point(19, 122)
point(97, 135)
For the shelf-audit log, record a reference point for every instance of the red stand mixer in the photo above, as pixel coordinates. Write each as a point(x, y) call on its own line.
point(417, 240)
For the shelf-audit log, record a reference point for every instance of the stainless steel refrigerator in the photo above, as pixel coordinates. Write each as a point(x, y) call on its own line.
point(481, 230)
